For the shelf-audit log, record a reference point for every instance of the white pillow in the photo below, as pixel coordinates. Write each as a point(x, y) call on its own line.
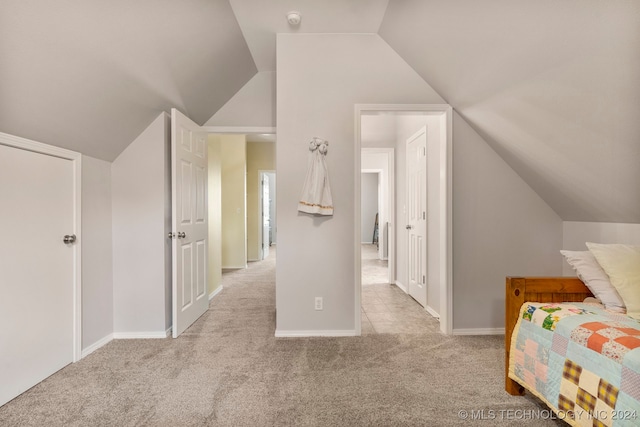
point(590, 272)
point(622, 265)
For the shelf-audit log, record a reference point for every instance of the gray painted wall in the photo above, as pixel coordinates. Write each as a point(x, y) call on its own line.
point(97, 274)
point(139, 206)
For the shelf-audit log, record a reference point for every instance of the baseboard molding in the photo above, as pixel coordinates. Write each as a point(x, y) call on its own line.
point(253, 260)
point(432, 312)
point(96, 345)
point(401, 286)
point(299, 334)
point(479, 331)
point(141, 335)
point(215, 292)
point(232, 267)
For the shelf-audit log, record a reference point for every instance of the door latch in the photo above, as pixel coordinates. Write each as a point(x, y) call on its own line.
point(69, 239)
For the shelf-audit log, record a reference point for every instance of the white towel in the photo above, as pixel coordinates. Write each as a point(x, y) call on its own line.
point(316, 192)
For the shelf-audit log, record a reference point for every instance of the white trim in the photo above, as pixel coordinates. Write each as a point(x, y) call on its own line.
point(401, 286)
point(238, 129)
point(253, 260)
point(479, 331)
point(96, 345)
point(215, 292)
point(432, 312)
point(446, 206)
point(141, 335)
point(76, 159)
point(298, 334)
point(224, 267)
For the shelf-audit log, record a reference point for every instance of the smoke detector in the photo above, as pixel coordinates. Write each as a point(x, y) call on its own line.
point(294, 18)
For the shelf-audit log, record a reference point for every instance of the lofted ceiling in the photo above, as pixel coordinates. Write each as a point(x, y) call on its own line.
point(92, 75)
point(551, 85)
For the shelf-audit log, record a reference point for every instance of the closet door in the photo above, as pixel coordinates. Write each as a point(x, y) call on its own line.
point(37, 268)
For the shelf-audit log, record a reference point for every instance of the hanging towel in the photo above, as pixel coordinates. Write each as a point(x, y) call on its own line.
point(316, 192)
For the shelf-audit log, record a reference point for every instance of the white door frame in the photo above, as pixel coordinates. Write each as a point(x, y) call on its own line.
point(445, 208)
point(391, 199)
point(260, 173)
point(76, 160)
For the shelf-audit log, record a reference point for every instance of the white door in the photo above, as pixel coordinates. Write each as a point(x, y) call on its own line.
point(417, 215)
point(36, 268)
point(266, 218)
point(189, 221)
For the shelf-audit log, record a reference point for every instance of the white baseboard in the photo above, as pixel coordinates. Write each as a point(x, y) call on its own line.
point(141, 335)
point(337, 333)
point(479, 331)
point(432, 312)
point(401, 286)
point(254, 260)
point(96, 345)
point(233, 267)
point(215, 292)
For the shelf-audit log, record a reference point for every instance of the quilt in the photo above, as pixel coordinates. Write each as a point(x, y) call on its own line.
point(581, 360)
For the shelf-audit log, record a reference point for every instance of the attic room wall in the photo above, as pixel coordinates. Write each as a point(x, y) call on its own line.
point(97, 272)
point(233, 155)
point(319, 79)
point(500, 225)
point(141, 260)
point(575, 234)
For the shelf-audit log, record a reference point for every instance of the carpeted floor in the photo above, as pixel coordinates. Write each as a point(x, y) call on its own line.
point(229, 370)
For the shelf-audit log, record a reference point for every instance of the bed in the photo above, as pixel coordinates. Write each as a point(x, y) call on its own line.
point(553, 349)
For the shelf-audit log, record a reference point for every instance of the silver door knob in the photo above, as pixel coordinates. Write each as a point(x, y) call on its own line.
point(69, 239)
point(181, 235)
point(409, 227)
point(171, 235)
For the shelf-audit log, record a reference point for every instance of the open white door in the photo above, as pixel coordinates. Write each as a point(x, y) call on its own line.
point(266, 217)
point(417, 215)
point(189, 221)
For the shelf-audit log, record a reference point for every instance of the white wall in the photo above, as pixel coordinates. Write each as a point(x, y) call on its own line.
point(369, 205)
point(139, 209)
point(97, 273)
point(575, 234)
point(501, 227)
point(319, 79)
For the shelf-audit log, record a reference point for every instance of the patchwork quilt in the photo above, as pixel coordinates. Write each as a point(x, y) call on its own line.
point(581, 360)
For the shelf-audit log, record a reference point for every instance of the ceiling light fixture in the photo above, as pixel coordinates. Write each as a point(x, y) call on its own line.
point(294, 18)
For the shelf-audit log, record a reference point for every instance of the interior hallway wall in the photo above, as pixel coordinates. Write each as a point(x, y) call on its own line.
point(260, 156)
point(214, 188)
point(369, 205)
point(233, 155)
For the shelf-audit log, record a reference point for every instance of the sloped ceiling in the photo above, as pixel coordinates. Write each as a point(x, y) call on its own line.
point(261, 20)
point(552, 86)
point(91, 75)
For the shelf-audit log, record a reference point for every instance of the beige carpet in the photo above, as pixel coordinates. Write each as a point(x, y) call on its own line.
point(229, 370)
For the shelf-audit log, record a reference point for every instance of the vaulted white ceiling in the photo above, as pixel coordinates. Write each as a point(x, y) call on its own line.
point(551, 85)
point(261, 20)
point(91, 75)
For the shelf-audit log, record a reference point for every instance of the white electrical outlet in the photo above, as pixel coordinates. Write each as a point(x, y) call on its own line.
point(318, 303)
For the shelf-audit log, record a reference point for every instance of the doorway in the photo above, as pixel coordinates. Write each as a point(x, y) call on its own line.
point(267, 196)
point(431, 250)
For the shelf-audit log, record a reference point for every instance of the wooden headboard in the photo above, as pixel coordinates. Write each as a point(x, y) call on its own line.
point(535, 289)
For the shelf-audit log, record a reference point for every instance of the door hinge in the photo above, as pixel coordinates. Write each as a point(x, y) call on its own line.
point(424, 215)
point(424, 151)
point(424, 280)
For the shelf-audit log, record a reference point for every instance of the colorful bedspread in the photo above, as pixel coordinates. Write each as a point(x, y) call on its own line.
point(583, 361)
